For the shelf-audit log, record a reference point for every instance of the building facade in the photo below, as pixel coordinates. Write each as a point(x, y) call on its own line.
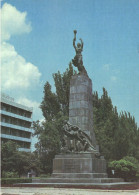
point(16, 121)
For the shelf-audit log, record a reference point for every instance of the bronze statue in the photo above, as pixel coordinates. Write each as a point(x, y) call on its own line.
point(77, 140)
point(78, 60)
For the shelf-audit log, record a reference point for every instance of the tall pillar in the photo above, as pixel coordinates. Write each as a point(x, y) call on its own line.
point(80, 104)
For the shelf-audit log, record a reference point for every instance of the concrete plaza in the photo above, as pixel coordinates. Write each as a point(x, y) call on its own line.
point(63, 191)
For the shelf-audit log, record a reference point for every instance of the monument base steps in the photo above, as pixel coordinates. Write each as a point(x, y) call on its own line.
point(78, 180)
point(79, 175)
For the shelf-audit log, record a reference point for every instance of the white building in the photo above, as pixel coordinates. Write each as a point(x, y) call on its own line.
point(16, 121)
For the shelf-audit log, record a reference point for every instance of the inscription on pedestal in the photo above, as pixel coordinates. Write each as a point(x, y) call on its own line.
point(86, 163)
point(72, 168)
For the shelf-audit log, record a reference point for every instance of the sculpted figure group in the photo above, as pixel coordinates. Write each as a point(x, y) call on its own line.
point(76, 140)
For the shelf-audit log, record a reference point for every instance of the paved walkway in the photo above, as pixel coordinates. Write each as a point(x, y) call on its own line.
point(63, 191)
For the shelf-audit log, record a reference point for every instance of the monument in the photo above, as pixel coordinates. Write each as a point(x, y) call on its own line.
point(80, 157)
point(80, 160)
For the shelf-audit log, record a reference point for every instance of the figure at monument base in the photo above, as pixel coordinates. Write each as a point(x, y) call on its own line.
point(76, 140)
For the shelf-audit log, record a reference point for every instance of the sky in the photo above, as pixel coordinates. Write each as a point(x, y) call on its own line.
point(37, 40)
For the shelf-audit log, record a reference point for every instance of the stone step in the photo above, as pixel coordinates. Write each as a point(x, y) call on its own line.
point(79, 175)
point(108, 186)
point(77, 180)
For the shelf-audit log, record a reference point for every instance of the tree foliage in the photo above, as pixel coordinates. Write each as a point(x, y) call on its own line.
point(62, 84)
point(14, 161)
point(53, 103)
point(117, 134)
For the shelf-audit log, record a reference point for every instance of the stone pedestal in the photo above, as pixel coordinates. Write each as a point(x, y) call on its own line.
point(80, 105)
point(79, 166)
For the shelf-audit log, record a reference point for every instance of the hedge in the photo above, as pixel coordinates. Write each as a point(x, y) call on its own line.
point(15, 180)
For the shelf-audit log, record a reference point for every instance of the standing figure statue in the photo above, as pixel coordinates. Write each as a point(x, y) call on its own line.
point(78, 61)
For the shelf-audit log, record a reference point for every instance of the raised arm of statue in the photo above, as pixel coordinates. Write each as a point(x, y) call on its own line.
point(81, 43)
point(74, 43)
point(75, 31)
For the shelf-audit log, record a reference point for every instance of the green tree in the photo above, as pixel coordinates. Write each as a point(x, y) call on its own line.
point(50, 105)
point(117, 135)
point(126, 136)
point(105, 123)
point(55, 109)
point(53, 103)
point(13, 160)
point(25, 161)
point(62, 84)
point(8, 154)
point(48, 145)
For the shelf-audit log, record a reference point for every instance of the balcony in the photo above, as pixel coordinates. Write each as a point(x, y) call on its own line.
point(16, 116)
point(15, 138)
point(15, 127)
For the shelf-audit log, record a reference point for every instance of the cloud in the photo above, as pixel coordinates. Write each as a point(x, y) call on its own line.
point(37, 113)
point(13, 22)
point(16, 72)
point(17, 75)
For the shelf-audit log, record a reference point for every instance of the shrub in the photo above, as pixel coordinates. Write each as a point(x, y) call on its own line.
point(133, 160)
point(123, 169)
point(15, 180)
point(9, 174)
